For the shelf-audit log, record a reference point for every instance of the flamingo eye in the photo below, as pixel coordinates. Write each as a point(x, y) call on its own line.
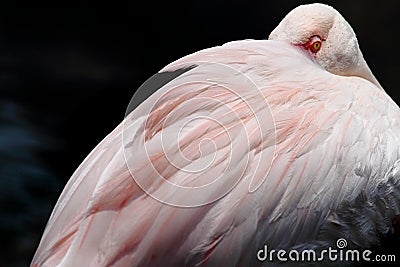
point(314, 44)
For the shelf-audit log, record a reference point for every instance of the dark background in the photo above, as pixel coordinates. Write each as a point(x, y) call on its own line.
point(68, 70)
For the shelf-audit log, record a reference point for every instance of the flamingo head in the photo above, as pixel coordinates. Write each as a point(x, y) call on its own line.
point(326, 36)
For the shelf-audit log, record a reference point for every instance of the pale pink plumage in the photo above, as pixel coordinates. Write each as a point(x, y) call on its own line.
point(324, 131)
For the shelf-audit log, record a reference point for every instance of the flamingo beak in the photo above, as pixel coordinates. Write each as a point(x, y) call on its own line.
point(363, 71)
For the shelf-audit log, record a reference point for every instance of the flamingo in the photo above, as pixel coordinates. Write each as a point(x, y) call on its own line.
point(289, 142)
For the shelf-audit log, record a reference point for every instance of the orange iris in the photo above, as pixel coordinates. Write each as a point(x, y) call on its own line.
point(315, 46)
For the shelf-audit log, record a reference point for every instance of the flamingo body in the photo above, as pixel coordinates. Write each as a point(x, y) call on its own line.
point(293, 147)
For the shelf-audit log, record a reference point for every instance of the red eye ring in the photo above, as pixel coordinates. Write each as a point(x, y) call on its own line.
point(314, 44)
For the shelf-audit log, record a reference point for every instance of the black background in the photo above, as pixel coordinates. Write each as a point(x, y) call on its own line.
point(68, 70)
